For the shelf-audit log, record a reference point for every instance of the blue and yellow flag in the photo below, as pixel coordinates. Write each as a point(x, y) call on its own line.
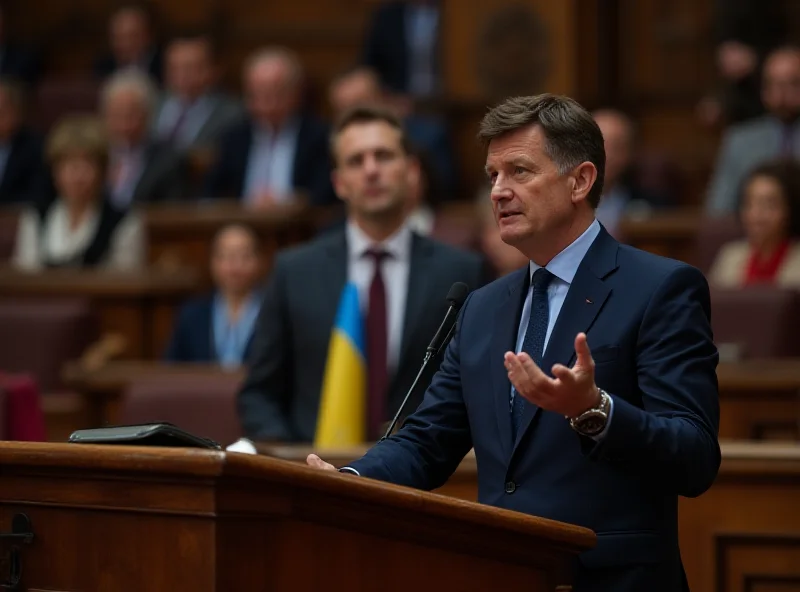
point(342, 413)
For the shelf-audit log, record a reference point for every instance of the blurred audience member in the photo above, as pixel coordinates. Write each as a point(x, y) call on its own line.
point(402, 45)
point(219, 328)
point(429, 135)
point(132, 42)
point(140, 169)
point(23, 175)
point(401, 278)
point(278, 150)
point(749, 144)
point(621, 194)
point(80, 228)
point(746, 30)
point(193, 113)
point(16, 63)
point(769, 212)
point(502, 257)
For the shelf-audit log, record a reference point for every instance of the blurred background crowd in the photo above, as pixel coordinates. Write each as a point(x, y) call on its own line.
point(173, 243)
point(155, 157)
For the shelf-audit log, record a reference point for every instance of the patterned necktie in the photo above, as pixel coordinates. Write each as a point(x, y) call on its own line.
point(377, 348)
point(535, 336)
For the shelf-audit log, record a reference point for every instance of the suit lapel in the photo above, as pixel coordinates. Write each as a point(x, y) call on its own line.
point(504, 338)
point(333, 273)
point(416, 299)
point(586, 296)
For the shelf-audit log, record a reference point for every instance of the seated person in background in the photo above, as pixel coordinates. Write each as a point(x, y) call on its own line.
point(132, 44)
point(402, 280)
point(80, 228)
point(278, 150)
point(219, 328)
point(621, 195)
point(428, 134)
point(502, 257)
point(402, 43)
point(140, 169)
point(192, 114)
point(23, 175)
point(763, 139)
point(769, 212)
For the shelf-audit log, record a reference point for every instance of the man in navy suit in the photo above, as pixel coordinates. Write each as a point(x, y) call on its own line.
point(279, 149)
point(606, 438)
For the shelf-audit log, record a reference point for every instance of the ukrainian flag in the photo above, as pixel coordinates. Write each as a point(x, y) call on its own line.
point(342, 414)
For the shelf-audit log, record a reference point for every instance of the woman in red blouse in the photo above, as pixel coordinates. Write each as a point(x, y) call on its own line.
point(770, 216)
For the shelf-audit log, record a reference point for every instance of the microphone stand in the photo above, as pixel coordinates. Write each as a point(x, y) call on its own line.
point(428, 356)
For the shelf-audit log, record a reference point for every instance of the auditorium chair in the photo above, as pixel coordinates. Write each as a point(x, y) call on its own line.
point(21, 416)
point(198, 403)
point(713, 233)
point(758, 322)
point(56, 97)
point(37, 336)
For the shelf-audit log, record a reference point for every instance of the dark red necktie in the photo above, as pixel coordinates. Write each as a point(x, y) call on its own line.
point(377, 347)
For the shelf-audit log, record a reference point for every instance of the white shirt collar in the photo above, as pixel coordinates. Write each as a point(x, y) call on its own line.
point(397, 245)
point(566, 263)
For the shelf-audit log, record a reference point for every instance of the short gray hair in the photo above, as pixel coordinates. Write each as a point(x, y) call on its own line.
point(281, 54)
point(573, 136)
point(131, 80)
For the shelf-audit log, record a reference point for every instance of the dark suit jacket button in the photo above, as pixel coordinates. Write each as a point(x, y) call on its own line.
point(511, 487)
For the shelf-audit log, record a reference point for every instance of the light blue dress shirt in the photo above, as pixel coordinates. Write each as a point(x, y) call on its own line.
point(563, 267)
point(196, 116)
point(422, 26)
point(231, 338)
point(271, 162)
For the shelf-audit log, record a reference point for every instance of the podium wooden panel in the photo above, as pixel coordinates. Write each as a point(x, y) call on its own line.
point(742, 533)
point(134, 518)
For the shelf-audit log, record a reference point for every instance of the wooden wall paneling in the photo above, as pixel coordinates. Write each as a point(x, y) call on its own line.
point(666, 64)
point(768, 583)
point(757, 562)
point(755, 495)
point(666, 49)
point(463, 26)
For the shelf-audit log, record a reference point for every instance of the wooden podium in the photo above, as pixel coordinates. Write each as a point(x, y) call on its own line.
point(136, 518)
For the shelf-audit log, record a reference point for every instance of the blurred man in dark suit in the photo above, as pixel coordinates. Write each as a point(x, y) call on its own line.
point(402, 280)
point(132, 42)
point(193, 113)
point(402, 45)
point(24, 177)
point(622, 195)
point(279, 150)
point(428, 134)
point(140, 169)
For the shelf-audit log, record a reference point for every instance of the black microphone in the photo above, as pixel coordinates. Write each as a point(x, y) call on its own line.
point(455, 297)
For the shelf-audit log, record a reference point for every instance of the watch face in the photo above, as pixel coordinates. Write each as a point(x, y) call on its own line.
point(593, 424)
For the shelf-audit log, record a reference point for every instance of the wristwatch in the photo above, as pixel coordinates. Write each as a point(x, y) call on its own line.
point(593, 421)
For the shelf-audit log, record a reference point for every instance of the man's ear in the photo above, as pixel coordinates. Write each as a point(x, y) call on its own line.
point(584, 177)
point(337, 183)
